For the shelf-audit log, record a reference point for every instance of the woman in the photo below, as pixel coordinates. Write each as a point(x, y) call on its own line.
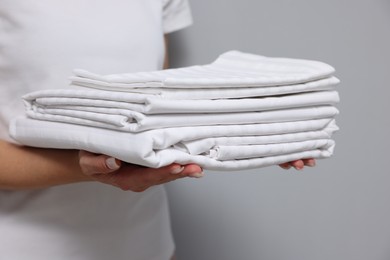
point(40, 217)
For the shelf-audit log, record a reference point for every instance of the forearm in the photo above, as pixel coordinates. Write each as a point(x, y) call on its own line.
point(29, 168)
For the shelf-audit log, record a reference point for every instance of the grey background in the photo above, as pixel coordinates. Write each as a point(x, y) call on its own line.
point(338, 210)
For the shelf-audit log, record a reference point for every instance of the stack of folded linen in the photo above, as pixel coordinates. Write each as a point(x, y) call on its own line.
point(242, 111)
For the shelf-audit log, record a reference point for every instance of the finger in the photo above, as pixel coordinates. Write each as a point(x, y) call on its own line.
point(174, 171)
point(190, 170)
point(169, 173)
point(309, 162)
point(138, 178)
point(285, 166)
point(193, 170)
point(298, 164)
point(97, 164)
point(154, 176)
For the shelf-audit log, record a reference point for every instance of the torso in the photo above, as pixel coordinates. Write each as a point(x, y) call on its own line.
point(40, 43)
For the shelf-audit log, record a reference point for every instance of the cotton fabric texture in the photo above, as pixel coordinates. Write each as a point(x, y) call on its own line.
point(286, 112)
point(41, 43)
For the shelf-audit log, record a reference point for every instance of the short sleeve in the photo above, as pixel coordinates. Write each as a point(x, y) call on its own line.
point(176, 15)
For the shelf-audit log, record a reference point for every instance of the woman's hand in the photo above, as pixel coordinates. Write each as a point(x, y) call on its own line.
point(299, 164)
point(132, 177)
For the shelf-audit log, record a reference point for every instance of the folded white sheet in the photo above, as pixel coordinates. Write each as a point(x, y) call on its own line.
point(236, 152)
point(131, 121)
point(102, 101)
point(160, 147)
point(210, 92)
point(231, 69)
point(205, 145)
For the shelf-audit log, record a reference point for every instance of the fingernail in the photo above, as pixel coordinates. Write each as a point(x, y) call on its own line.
point(112, 164)
point(177, 170)
point(196, 175)
point(311, 164)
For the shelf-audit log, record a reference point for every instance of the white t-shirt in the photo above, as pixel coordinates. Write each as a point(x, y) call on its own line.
point(40, 43)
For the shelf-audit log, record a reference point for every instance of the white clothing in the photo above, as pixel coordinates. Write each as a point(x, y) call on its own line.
point(40, 43)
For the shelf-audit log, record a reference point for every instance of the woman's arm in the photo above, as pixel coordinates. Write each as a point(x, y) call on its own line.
point(30, 168)
point(166, 58)
point(26, 167)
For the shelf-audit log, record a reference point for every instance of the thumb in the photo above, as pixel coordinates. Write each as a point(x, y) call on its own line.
point(97, 164)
